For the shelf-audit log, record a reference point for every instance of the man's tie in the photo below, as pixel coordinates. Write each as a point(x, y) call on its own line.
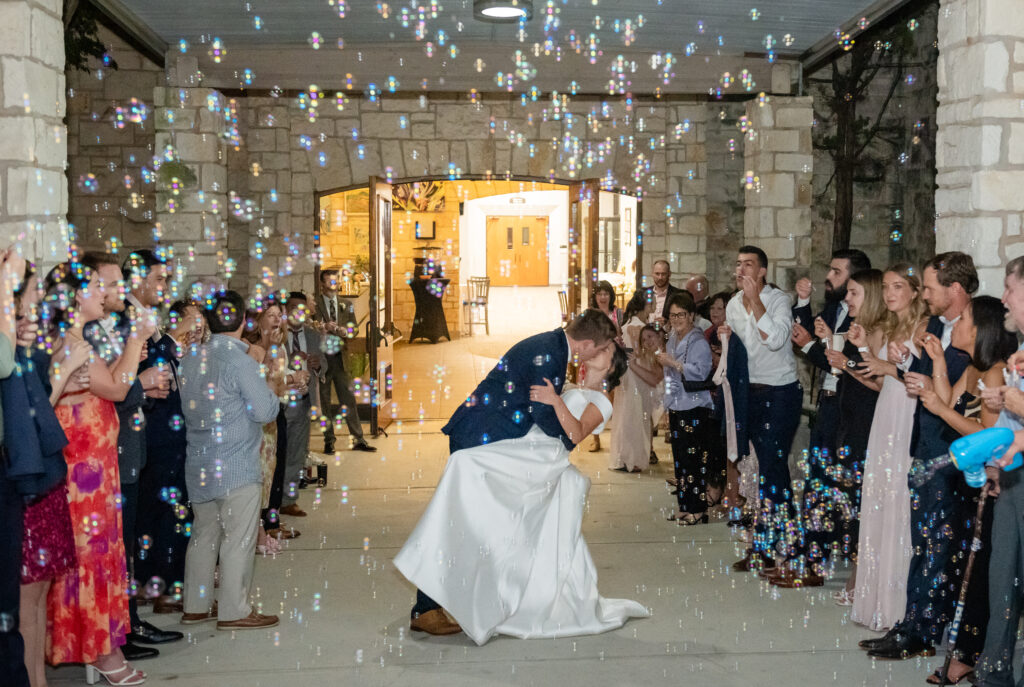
point(296, 346)
point(333, 311)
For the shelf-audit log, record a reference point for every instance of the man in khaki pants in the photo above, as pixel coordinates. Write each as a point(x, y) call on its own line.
point(226, 401)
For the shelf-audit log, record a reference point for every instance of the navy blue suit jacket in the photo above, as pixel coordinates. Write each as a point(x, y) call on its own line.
point(931, 436)
point(500, 407)
point(739, 386)
point(816, 353)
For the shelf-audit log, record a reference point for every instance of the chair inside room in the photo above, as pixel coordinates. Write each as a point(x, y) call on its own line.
point(474, 306)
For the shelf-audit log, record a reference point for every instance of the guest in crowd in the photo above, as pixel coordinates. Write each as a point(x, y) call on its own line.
point(635, 402)
point(88, 607)
point(658, 293)
point(884, 544)
point(336, 318)
point(831, 494)
point(35, 442)
point(107, 337)
point(303, 345)
point(981, 332)
point(723, 480)
point(687, 367)
point(223, 470)
point(833, 319)
point(164, 518)
point(760, 316)
point(634, 322)
point(603, 298)
point(265, 336)
point(938, 520)
point(698, 287)
point(994, 667)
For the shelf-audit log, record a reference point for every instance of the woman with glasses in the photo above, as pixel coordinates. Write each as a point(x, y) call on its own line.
point(686, 361)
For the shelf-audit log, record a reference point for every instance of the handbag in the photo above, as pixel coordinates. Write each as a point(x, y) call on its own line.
point(696, 386)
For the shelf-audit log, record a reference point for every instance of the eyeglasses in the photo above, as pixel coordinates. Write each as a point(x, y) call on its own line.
point(678, 315)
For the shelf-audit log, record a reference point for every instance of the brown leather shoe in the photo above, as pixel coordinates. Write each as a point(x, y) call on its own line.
point(168, 604)
point(253, 621)
point(793, 580)
point(771, 573)
point(196, 618)
point(434, 622)
point(293, 510)
point(752, 563)
point(283, 533)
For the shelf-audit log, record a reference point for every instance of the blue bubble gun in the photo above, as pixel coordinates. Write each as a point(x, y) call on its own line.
point(970, 453)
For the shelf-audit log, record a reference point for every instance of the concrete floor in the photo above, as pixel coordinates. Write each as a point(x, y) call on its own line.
point(344, 608)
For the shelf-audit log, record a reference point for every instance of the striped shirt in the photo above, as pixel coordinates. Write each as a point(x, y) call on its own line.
point(226, 401)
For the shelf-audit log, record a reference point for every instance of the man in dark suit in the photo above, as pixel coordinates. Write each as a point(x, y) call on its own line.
point(940, 513)
point(834, 318)
point(107, 337)
point(500, 408)
point(658, 293)
point(337, 315)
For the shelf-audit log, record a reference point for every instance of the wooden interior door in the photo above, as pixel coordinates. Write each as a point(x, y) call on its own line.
point(531, 251)
point(501, 253)
point(584, 213)
point(380, 327)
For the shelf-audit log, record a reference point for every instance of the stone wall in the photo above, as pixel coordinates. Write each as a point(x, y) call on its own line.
point(111, 138)
point(725, 193)
point(33, 138)
point(779, 165)
point(980, 153)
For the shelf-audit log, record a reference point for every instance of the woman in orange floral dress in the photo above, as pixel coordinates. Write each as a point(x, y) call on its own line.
point(88, 606)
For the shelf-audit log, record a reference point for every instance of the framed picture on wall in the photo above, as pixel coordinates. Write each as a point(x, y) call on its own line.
point(426, 230)
point(628, 240)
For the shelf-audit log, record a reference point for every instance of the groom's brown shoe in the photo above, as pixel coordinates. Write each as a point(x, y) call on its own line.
point(434, 622)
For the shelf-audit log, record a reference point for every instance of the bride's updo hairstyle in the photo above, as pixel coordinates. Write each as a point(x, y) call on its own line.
point(620, 363)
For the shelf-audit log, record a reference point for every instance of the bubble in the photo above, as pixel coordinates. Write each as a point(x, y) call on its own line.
point(154, 588)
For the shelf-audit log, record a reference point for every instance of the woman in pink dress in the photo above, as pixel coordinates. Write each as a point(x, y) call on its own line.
point(884, 547)
point(88, 606)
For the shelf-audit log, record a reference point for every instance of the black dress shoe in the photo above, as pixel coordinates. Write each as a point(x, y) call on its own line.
point(328, 448)
point(868, 644)
point(363, 446)
point(134, 652)
point(901, 647)
point(147, 633)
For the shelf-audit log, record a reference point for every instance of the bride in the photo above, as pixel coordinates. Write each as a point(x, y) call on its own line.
point(499, 546)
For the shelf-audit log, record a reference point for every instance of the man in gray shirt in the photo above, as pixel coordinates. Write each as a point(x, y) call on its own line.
point(226, 401)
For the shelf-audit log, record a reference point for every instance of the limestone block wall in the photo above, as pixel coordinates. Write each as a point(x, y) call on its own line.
point(683, 241)
point(779, 166)
point(980, 145)
point(725, 193)
point(33, 138)
point(111, 133)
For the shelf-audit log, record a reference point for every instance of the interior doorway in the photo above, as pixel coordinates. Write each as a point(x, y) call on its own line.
point(532, 238)
point(517, 251)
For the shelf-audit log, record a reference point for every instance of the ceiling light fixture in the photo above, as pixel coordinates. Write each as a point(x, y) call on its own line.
point(502, 11)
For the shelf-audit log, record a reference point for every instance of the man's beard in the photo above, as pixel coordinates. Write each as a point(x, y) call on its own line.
point(835, 294)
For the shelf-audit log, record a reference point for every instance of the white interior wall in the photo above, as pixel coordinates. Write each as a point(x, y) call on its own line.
point(473, 229)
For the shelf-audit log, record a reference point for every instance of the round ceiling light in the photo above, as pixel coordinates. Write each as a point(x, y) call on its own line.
point(502, 11)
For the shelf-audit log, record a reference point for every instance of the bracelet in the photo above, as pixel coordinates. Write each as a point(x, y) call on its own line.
point(863, 349)
point(938, 375)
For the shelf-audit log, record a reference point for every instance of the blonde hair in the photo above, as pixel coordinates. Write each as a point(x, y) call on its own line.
point(900, 328)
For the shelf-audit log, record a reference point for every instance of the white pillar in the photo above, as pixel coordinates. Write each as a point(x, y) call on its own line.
point(980, 139)
point(33, 138)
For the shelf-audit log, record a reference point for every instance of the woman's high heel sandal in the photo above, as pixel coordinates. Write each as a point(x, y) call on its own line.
point(134, 677)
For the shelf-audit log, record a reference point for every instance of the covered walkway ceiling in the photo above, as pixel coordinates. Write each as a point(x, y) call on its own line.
point(437, 45)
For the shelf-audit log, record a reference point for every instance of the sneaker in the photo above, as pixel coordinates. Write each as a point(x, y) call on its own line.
point(253, 621)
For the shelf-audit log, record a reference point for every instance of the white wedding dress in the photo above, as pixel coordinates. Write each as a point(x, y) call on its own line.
point(499, 546)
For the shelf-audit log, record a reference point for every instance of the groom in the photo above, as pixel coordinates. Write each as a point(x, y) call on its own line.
point(500, 408)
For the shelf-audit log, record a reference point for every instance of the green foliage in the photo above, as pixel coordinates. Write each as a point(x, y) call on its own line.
point(169, 171)
point(81, 40)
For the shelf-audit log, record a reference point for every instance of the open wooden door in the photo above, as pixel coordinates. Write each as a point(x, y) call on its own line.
point(583, 243)
point(380, 328)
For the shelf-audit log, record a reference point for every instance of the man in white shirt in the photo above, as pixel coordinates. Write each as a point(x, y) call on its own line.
point(761, 317)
